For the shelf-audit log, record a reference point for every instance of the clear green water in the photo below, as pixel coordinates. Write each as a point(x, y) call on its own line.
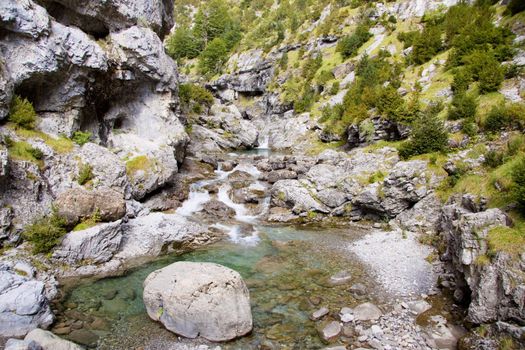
point(287, 273)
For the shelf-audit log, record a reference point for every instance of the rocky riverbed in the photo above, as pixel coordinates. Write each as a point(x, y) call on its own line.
point(328, 239)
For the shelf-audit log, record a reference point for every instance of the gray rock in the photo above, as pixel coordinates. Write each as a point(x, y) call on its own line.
point(48, 341)
point(23, 305)
point(346, 314)
point(199, 299)
point(367, 312)
point(493, 296)
point(295, 195)
point(6, 215)
point(375, 129)
point(156, 234)
point(96, 245)
point(358, 289)
point(218, 209)
point(24, 17)
point(331, 331)
point(316, 315)
point(141, 50)
point(17, 344)
point(108, 168)
point(418, 307)
point(253, 75)
point(424, 216)
point(342, 277)
point(114, 15)
point(78, 204)
point(283, 174)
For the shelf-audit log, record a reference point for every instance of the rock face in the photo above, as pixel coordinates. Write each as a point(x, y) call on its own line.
point(106, 248)
point(252, 76)
point(374, 129)
point(223, 128)
point(199, 299)
point(96, 244)
point(356, 185)
point(98, 18)
point(93, 67)
point(23, 304)
point(496, 288)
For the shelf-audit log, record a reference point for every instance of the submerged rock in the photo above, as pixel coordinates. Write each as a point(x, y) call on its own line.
point(199, 299)
point(330, 331)
point(367, 312)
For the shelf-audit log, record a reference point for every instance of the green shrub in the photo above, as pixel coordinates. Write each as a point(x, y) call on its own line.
point(350, 44)
point(312, 64)
point(494, 159)
point(390, 103)
point(36, 153)
point(305, 101)
point(511, 116)
point(469, 127)
point(85, 174)
point(22, 113)
point(462, 80)
point(497, 119)
point(213, 57)
point(463, 106)
point(490, 78)
point(428, 135)
point(81, 138)
point(182, 44)
point(324, 77)
point(426, 45)
point(518, 177)
point(194, 97)
point(335, 88)
point(45, 233)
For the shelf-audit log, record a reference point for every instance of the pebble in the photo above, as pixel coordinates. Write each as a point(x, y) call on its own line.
point(316, 315)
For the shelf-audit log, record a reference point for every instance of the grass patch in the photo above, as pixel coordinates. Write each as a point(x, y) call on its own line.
point(61, 145)
point(88, 223)
point(21, 150)
point(85, 174)
point(510, 240)
point(137, 164)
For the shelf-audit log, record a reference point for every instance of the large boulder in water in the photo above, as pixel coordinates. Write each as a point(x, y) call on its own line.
point(199, 299)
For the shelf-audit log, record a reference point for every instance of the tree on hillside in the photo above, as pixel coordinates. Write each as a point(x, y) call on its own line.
point(428, 135)
point(182, 44)
point(213, 57)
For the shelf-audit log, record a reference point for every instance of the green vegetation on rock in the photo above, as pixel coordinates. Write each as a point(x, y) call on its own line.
point(45, 233)
point(22, 113)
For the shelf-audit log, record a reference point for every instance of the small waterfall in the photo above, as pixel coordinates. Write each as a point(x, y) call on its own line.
point(264, 135)
point(240, 209)
point(235, 234)
point(196, 199)
point(264, 141)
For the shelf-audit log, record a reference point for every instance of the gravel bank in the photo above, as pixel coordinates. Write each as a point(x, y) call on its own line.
point(397, 261)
